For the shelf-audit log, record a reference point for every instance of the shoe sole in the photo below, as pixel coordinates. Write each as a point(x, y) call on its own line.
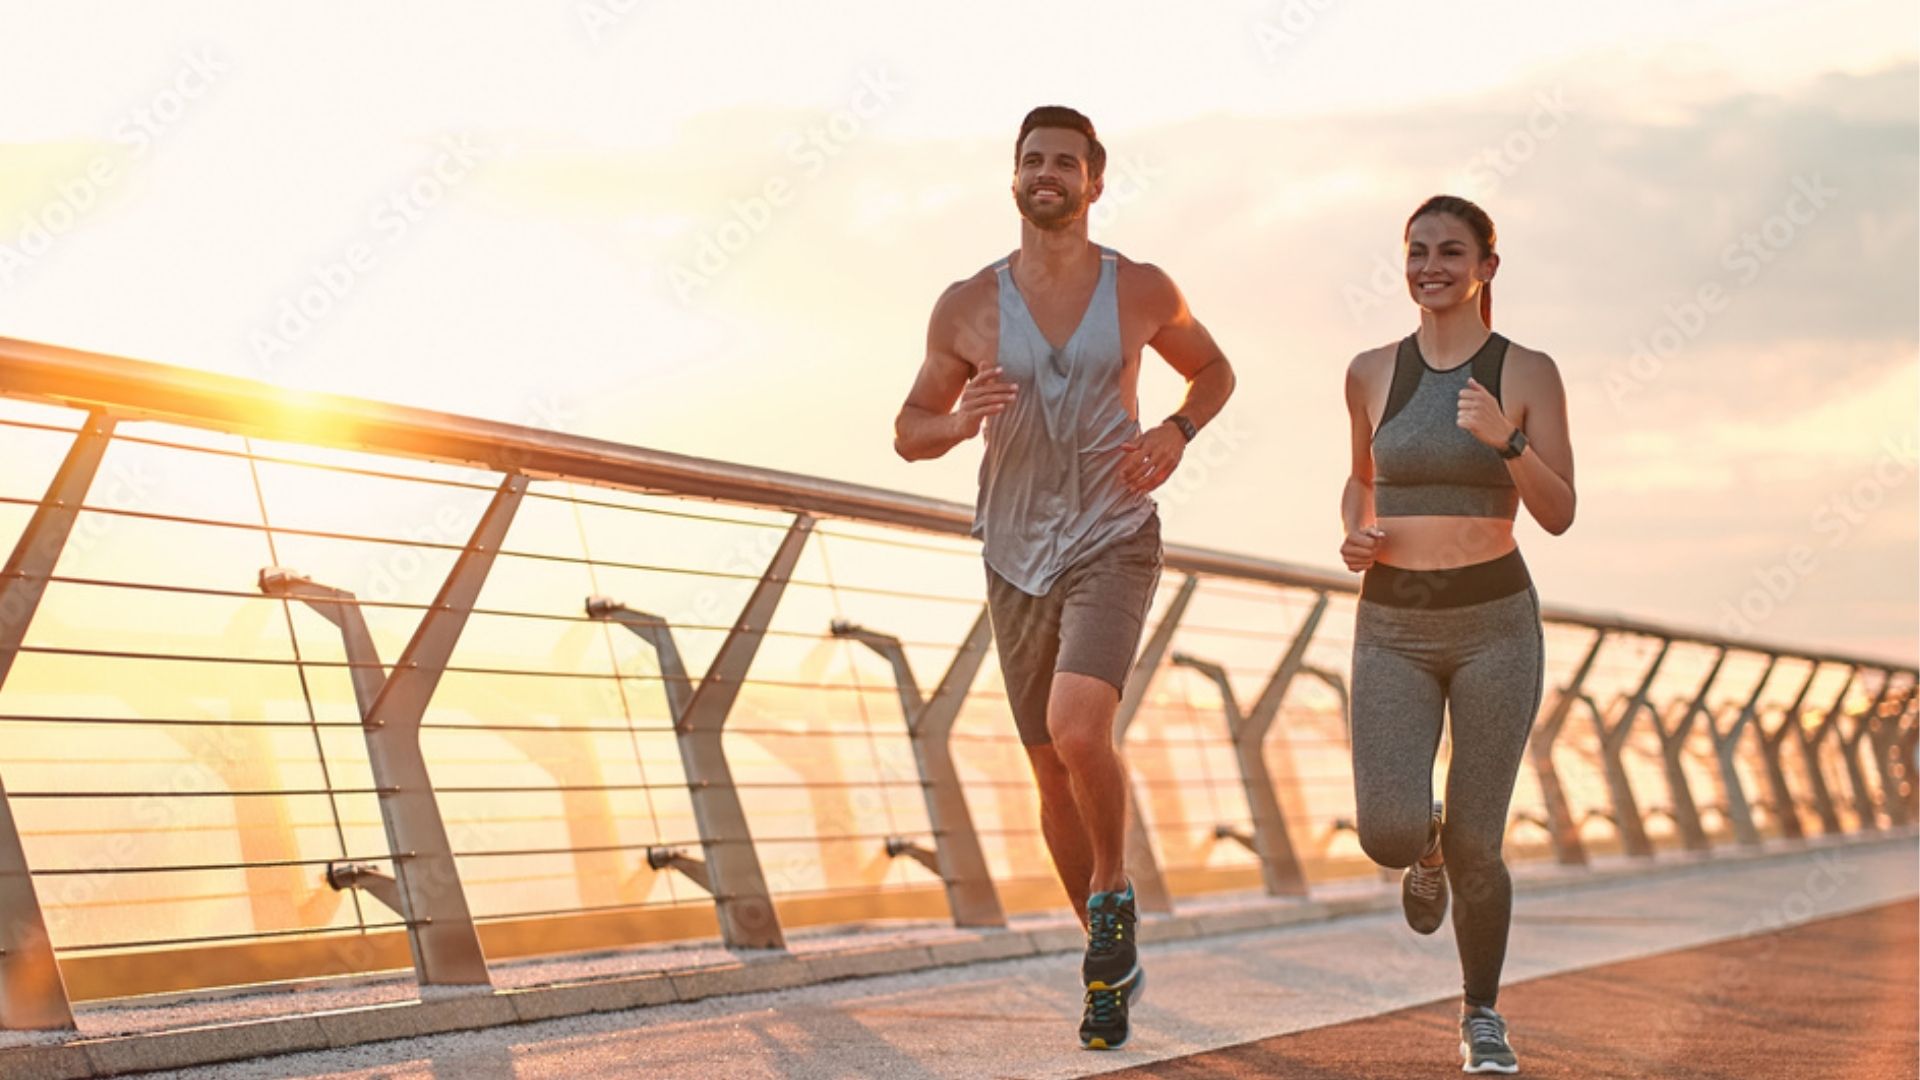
point(1468, 1066)
point(1136, 987)
point(1117, 984)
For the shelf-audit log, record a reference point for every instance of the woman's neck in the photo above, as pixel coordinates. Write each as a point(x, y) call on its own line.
point(1450, 336)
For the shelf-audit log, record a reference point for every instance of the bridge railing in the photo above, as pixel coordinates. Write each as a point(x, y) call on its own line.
point(295, 685)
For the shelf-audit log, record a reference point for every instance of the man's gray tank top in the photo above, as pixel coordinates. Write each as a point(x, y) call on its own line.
point(1050, 488)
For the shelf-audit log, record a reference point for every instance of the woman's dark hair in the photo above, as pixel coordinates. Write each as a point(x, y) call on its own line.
point(1059, 116)
point(1477, 222)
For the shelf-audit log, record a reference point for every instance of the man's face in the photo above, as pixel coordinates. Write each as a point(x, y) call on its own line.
point(1051, 186)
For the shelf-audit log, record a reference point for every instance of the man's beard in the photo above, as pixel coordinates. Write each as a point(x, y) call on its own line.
point(1058, 216)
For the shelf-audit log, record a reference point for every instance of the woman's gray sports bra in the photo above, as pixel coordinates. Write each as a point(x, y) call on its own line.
point(1423, 462)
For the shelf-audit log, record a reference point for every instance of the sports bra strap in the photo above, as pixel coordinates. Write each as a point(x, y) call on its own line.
point(1407, 369)
point(1488, 365)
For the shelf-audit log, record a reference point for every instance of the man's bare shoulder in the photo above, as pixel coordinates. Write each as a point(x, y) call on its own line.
point(1146, 275)
point(967, 295)
point(1148, 286)
point(966, 318)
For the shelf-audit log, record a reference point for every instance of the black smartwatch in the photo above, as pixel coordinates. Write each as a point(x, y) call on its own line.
point(1187, 430)
point(1516, 445)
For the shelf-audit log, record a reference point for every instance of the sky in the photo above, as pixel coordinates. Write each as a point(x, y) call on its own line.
point(719, 229)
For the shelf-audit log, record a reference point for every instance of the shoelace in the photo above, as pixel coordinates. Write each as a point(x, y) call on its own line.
point(1103, 931)
point(1103, 1006)
point(1483, 1030)
point(1425, 881)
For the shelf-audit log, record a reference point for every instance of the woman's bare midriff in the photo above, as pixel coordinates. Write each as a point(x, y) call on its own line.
point(1434, 542)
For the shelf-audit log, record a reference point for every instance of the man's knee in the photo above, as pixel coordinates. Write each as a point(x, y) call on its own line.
point(1080, 717)
point(1078, 742)
point(1049, 772)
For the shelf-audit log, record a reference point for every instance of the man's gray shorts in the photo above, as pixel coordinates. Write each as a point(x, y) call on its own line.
point(1088, 623)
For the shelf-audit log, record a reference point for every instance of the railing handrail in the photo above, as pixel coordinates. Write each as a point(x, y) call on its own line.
point(140, 389)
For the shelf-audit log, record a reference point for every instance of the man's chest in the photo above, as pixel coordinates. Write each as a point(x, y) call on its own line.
point(980, 332)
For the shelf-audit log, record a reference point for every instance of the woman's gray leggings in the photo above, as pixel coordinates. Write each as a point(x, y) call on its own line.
point(1465, 642)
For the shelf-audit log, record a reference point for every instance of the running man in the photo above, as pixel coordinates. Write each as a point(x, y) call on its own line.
point(1042, 351)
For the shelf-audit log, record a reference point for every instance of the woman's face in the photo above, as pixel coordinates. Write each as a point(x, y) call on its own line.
point(1444, 263)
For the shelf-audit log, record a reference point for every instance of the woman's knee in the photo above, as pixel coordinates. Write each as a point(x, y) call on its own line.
point(1475, 865)
point(1393, 839)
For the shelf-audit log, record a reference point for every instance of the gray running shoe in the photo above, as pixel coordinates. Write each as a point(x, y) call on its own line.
point(1483, 1042)
point(1423, 889)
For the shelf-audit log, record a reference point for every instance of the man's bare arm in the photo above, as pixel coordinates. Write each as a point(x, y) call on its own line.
point(928, 425)
point(1186, 345)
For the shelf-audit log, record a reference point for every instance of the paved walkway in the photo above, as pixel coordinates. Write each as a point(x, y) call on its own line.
point(1837, 997)
point(1017, 1018)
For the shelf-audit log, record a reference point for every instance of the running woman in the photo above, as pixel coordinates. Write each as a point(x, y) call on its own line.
point(1453, 428)
point(1042, 350)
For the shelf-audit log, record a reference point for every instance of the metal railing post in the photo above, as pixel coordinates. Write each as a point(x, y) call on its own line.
point(1613, 747)
point(731, 868)
point(1906, 746)
point(1568, 850)
point(1884, 730)
point(1337, 683)
point(33, 995)
point(433, 902)
point(1279, 862)
point(1673, 744)
point(1150, 890)
point(1863, 804)
point(1823, 803)
point(1726, 745)
point(959, 860)
point(1786, 809)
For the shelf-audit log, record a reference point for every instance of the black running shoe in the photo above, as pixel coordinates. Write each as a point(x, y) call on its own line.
point(1113, 959)
point(1483, 1042)
point(1423, 889)
point(1105, 1025)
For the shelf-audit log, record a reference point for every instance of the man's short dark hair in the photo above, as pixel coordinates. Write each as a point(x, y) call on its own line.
point(1059, 116)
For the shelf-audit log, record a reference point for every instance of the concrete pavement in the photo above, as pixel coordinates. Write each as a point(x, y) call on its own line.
point(1016, 1018)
